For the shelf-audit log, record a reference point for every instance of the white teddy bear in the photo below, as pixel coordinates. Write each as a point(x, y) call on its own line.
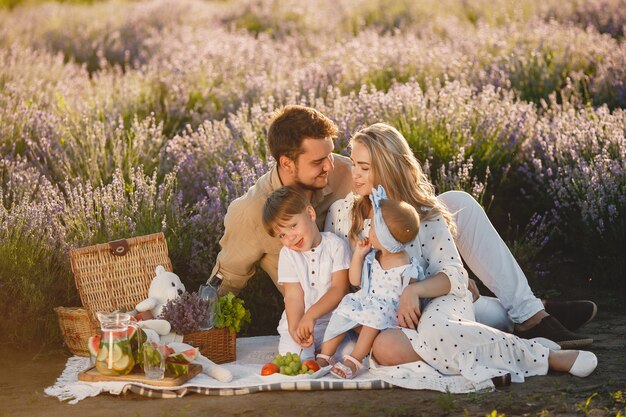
point(166, 286)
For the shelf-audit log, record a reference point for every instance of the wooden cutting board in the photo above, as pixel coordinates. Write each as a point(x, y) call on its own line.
point(92, 375)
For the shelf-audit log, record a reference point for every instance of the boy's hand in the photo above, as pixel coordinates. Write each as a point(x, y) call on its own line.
point(362, 247)
point(307, 343)
point(304, 331)
point(294, 335)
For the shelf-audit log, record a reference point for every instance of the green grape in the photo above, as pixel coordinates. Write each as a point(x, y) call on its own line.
point(295, 357)
point(304, 368)
point(310, 372)
point(283, 369)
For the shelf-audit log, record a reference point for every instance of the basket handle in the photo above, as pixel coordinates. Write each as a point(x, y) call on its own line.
point(119, 247)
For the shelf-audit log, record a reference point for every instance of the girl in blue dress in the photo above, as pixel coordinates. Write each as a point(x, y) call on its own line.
point(382, 268)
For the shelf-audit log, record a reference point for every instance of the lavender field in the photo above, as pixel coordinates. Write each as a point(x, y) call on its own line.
point(120, 119)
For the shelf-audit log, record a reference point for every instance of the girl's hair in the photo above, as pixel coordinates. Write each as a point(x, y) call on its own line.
point(395, 167)
point(401, 219)
point(281, 205)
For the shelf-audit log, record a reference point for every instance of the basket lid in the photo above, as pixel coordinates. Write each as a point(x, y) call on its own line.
point(108, 278)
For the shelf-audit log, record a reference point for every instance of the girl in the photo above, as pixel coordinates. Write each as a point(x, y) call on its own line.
point(382, 274)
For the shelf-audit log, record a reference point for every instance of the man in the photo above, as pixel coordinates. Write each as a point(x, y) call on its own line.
point(301, 141)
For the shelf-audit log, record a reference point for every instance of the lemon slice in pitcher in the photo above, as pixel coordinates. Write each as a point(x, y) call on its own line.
point(122, 363)
point(116, 353)
point(102, 354)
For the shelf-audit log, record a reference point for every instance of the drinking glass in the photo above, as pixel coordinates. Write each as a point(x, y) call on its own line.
point(154, 360)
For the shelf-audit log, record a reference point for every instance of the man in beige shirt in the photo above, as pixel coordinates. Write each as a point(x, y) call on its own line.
point(301, 141)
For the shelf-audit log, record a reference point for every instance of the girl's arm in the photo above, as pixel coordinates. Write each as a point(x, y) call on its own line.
point(361, 249)
point(294, 307)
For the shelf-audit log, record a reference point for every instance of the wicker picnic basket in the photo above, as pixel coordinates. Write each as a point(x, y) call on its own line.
point(76, 328)
point(117, 275)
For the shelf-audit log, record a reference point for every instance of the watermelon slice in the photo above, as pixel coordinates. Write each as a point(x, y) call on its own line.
point(93, 345)
point(185, 356)
point(175, 368)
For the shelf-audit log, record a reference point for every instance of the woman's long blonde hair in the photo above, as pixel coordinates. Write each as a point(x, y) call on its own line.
point(395, 167)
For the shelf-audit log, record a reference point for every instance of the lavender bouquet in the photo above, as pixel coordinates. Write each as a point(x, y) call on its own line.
point(185, 313)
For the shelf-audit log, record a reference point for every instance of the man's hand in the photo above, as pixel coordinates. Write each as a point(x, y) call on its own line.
point(409, 308)
point(473, 288)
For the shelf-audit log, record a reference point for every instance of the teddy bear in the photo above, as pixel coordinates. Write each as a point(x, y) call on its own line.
point(166, 286)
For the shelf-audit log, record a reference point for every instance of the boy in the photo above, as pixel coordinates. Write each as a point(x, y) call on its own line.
point(312, 267)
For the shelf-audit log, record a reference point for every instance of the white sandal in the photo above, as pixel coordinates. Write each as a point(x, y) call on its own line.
point(327, 358)
point(343, 371)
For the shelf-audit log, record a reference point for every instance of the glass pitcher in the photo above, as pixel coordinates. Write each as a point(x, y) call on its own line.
point(115, 356)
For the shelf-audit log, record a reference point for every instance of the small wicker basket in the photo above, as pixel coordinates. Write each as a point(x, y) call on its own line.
point(76, 329)
point(219, 345)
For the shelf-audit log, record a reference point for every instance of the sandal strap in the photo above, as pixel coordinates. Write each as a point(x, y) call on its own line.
point(357, 363)
point(327, 358)
point(345, 369)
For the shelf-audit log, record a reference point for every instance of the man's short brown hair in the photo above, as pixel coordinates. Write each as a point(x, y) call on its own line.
point(290, 125)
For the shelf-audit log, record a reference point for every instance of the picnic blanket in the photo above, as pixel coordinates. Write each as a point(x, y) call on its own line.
point(252, 353)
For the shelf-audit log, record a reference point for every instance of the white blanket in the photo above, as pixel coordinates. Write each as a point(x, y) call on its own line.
point(252, 353)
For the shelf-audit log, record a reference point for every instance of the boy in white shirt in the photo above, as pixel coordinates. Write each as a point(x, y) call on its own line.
point(312, 267)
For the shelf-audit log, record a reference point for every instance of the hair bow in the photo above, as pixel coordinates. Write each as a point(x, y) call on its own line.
point(383, 234)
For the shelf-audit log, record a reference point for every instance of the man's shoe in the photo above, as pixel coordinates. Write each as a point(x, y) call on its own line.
point(550, 328)
point(572, 314)
point(503, 380)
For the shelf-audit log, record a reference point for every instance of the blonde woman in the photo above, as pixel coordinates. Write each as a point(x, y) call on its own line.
point(445, 334)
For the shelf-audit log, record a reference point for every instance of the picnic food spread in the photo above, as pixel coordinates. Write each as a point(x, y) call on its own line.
point(289, 364)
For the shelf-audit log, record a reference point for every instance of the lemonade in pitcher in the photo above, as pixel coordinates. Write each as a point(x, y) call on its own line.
point(115, 356)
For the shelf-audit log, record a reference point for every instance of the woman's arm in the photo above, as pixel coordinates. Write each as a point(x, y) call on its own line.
point(442, 256)
point(409, 311)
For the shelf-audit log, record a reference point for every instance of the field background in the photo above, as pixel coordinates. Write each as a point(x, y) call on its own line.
point(120, 119)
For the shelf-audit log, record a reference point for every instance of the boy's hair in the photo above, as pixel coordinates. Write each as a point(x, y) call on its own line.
point(290, 125)
point(401, 219)
point(281, 205)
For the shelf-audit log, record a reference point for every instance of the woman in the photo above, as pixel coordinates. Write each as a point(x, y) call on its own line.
point(445, 334)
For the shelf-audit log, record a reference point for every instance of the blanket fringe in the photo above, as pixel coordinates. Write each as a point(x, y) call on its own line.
point(66, 386)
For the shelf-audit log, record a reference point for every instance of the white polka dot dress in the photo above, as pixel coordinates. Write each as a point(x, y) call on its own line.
point(449, 340)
